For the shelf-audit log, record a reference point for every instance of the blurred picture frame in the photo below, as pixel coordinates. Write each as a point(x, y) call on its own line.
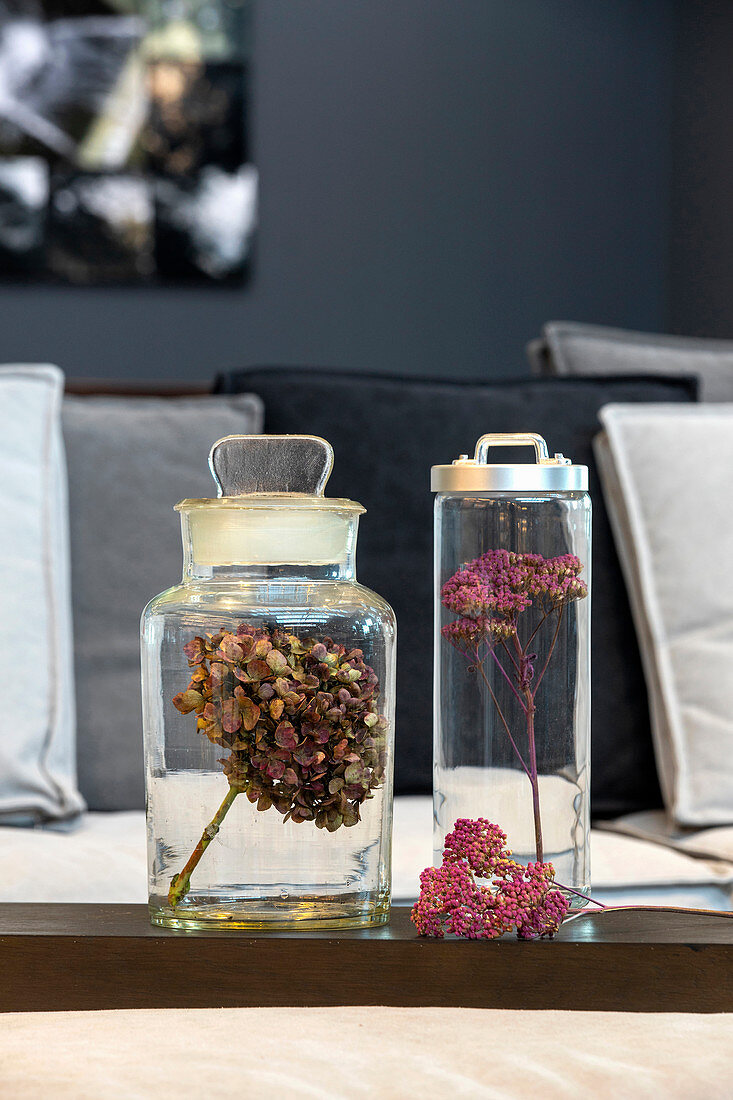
point(125, 154)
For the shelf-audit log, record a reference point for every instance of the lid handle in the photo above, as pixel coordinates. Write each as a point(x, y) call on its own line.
point(245, 464)
point(512, 439)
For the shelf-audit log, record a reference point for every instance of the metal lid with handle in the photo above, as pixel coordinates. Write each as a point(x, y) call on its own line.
point(545, 474)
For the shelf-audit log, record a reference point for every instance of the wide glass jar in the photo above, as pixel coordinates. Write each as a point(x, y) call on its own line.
point(268, 699)
point(512, 653)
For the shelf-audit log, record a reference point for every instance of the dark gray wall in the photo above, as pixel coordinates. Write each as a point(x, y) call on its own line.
point(701, 267)
point(438, 178)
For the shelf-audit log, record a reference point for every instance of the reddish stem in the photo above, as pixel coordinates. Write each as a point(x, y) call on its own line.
point(520, 758)
point(533, 778)
point(502, 670)
point(549, 654)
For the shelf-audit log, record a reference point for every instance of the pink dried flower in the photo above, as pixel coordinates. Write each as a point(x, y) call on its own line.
point(502, 583)
point(520, 899)
point(475, 631)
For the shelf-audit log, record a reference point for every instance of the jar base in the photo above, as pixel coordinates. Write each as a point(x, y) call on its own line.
point(307, 914)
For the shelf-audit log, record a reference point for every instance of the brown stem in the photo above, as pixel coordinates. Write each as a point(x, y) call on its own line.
point(520, 758)
point(533, 778)
point(506, 649)
point(549, 655)
point(503, 671)
point(536, 630)
point(180, 883)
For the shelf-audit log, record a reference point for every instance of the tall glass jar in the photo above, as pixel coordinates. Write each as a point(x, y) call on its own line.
point(268, 699)
point(512, 653)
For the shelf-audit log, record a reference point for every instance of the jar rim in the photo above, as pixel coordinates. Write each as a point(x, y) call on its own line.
point(298, 502)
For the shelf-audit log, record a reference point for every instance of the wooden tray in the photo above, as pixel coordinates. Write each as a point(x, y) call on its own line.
point(58, 957)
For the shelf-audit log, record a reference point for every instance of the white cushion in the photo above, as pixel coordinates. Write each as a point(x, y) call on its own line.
point(666, 473)
point(37, 746)
point(658, 827)
point(105, 861)
point(432, 1053)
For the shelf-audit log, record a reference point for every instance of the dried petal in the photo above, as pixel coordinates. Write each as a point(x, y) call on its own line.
point(285, 736)
point(218, 673)
point(277, 661)
point(250, 713)
point(195, 650)
point(354, 772)
point(276, 769)
point(231, 718)
point(245, 640)
point(340, 749)
point(186, 701)
point(258, 670)
point(230, 649)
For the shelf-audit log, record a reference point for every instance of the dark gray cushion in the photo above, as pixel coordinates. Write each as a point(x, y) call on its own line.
point(386, 434)
point(130, 460)
point(567, 348)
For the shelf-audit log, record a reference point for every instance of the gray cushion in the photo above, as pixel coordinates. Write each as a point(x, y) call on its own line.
point(130, 460)
point(574, 349)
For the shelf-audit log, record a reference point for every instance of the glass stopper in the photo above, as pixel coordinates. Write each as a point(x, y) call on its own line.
point(245, 464)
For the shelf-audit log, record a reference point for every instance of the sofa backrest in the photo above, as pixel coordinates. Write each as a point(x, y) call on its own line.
point(386, 434)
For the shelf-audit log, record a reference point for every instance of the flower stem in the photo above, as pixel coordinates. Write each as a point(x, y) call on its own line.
point(578, 894)
point(180, 882)
point(520, 758)
point(550, 651)
point(534, 633)
point(533, 778)
point(503, 671)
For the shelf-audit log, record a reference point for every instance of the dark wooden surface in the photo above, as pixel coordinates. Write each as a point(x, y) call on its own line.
point(95, 387)
point(57, 957)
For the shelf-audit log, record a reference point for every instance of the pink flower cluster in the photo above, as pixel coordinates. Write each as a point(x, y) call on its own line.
point(489, 593)
point(557, 580)
point(475, 631)
point(521, 899)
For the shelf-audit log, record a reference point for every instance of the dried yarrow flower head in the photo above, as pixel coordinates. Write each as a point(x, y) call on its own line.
point(520, 899)
point(491, 591)
point(298, 717)
point(488, 595)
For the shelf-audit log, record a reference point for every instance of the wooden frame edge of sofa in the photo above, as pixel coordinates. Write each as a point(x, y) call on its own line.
point(102, 387)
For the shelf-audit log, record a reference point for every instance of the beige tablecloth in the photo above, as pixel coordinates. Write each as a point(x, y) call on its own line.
point(330, 1054)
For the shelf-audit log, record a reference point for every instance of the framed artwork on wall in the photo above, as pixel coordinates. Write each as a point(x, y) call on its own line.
point(124, 141)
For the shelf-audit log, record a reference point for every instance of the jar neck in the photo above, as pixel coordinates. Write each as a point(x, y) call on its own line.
point(259, 545)
point(293, 572)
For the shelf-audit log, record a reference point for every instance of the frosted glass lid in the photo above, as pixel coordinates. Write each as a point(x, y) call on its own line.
point(271, 471)
point(270, 508)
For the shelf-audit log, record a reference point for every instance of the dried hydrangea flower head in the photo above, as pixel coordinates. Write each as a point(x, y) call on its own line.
point(517, 899)
point(299, 720)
